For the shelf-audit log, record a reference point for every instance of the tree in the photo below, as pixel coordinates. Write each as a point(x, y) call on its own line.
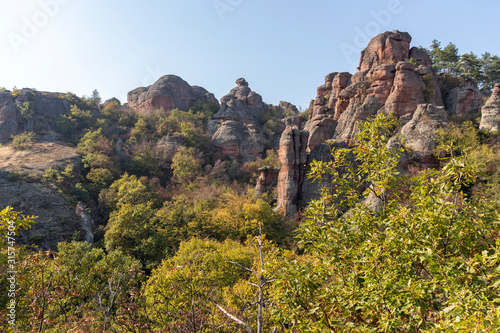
point(469, 68)
point(186, 164)
point(95, 98)
point(80, 288)
point(427, 260)
point(98, 156)
point(491, 70)
point(179, 292)
point(133, 230)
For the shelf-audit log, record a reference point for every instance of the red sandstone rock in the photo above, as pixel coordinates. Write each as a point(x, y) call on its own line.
point(490, 112)
point(168, 93)
point(407, 91)
point(464, 101)
point(293, 158)
point(388, 47)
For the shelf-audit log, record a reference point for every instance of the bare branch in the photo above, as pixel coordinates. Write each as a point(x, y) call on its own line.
point(245, 268)
point(237, 320)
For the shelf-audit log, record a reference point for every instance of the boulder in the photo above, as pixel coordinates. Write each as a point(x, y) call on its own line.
point(288, 109)
point(235, 128)
point(168, 93)
point(241, 104)
point(235, 139)
point(490, 112)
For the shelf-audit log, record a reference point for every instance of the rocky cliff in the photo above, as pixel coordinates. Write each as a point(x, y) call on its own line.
point(168, 93)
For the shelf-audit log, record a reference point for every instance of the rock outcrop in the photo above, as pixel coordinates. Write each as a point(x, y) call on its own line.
point(464, 101)
point(391, 78)
point(40, 111)
point(490, 112)
point(235, 128)
point(20, 188)
point(419, 134)
point(168, 93)
point(293, 158)
point(241, 104)
point(288, 109)
point(388, 47)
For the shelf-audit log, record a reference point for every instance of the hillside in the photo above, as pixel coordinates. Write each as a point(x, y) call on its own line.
point(378, 204)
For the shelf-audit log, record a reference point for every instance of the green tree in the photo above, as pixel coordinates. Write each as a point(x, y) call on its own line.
point(133, 230)
point(98, 156)
point(427, 260)
point(129, 189)
point(80, 288)
point(491, 70)
point(469, 68)
point(186, 164)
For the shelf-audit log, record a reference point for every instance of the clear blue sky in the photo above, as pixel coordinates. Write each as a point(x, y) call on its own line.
point(284, 48)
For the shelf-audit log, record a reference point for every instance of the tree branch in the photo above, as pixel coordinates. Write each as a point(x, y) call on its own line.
point(237, 320)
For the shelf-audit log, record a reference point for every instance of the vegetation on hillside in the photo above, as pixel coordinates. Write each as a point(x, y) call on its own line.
point(178, 241)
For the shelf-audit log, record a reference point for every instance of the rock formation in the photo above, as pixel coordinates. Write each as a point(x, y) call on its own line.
point(293, 158)
point(168, 93)
point(464, 101)
point(289, 109)
point(43, 110)
point(21, 189)
point(391, 78)
point(235, 128)
point(419, 134)
point(490, 112)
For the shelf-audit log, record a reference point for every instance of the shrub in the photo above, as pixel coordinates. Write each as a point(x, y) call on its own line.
point(24, 140)
point(26, 110)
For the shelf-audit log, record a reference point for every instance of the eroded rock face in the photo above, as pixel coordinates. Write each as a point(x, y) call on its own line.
point(241, 104)
point(46, 108)
point(235, 128)
point(237, 139)
point(388, 47)
point(490, 112)
point(419, 133)
point(464, 101)
point(168, 93)
point(289, 109)
point(293, 158)
point(407, 90)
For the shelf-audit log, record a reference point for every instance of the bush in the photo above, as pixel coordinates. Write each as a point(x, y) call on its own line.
point(26, 110)
point(23, 141)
